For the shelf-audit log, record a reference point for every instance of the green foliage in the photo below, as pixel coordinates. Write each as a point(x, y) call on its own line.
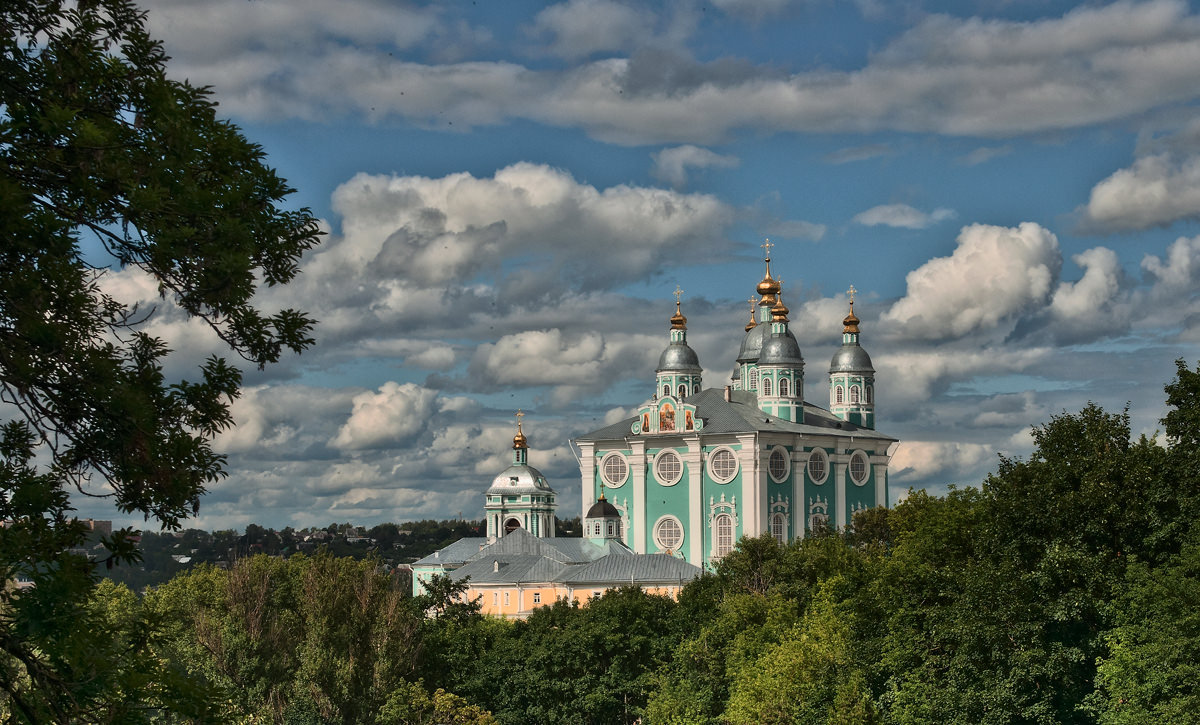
point(324, 636)
point(104, 159)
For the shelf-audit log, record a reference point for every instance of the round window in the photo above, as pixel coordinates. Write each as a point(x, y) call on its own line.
point(818, 466)
point(722, 465)
point(668, 533)
point(668, 467)
point(613, 469)
point(778, 465)
point(858, 468)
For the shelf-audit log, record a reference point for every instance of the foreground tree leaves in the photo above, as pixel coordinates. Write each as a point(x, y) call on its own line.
point(105, 162)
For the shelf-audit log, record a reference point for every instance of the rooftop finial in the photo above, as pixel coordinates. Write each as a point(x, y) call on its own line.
point(780, 311)
point(752, 323)
point(850, 323)
point(519, 440)
point(768, 288)
point(678, 321)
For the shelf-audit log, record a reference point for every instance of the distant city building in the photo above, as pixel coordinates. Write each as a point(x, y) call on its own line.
point(104, 528)
point(696, 469)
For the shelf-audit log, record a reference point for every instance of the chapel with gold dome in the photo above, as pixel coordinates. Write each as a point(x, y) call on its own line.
point(696, 469)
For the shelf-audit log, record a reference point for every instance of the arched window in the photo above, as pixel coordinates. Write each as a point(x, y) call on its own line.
point(695, 388)
point(854, 393)
point(723, 534)
point(666, 390)
point(837, 394)
point(783, 387)
point(779, 528)
point(870, 393)
point(754, 378)
point(682, 390)
point(766, 386)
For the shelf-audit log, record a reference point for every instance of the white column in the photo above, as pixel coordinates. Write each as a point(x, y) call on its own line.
point(695, 517)
point(587, 474)
point(637, 462)
point(839, 497)
point(752, 487)
point(799, 507)
point(881, 483)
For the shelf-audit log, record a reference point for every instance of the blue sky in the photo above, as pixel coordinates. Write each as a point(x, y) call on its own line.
point(513, 190)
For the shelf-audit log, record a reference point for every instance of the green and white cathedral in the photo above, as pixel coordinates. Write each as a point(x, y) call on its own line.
point(699, 468)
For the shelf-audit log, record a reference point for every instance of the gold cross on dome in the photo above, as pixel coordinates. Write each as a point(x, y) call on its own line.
point(751, 300)
point(520, 415)
point(766, 245)
point(851, 292)
point(678, 294)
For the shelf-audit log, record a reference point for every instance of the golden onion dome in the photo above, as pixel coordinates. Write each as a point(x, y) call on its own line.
point(850, 322)
point(752, 323)
point(678, 321)
point(779, 313)
point(519, 440)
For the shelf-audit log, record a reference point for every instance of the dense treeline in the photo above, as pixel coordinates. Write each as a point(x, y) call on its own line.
point(1063, 590)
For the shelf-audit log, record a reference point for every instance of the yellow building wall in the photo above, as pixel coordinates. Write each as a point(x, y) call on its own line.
point(513, 601)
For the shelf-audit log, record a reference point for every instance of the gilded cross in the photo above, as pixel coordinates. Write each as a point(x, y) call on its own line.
point(678, 294)
point(766, 245)
point(520, 415)
point(751, 300)
point(851, 292)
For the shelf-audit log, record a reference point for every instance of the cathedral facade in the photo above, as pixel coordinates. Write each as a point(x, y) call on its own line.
point(696, 469)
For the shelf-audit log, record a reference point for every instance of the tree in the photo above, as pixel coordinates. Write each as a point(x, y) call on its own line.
point(105, 161)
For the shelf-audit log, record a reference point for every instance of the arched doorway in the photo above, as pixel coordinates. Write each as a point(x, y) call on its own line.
point(511, 525)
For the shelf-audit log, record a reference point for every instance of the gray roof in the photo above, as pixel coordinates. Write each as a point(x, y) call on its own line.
point(456, 553)
point(678, 356)
point(742, 415)
point(851, 358)
point(644, 569)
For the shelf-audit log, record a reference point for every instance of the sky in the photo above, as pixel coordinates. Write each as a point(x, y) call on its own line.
point(512, 192)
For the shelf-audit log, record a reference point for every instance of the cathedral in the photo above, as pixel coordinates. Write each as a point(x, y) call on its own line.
point(669, 491)
point(696, 469)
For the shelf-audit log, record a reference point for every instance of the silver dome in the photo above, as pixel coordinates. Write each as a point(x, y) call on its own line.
point(678, 356)
point(851, 359)
point(781, 350)
point(753, 341)
point(520, 479)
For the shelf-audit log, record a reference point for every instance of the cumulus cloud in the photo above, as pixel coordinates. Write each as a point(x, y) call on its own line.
point(1089, 303)
point(952, 462)
point(385, 418)
point(1180, 271)
point(671, 165)
point(1156, 191)
point(994, 274)
point(579, 28)
point(947, 74)
point(902, 216)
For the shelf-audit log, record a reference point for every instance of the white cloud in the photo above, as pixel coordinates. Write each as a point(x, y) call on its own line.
point(1180, 271)
point(994, 274)
point(902, 216)
point(857, 153)
point(1089, 302)
point(948, 75)
point(579, 28)
point(952, 462)
point(385, 418)
point(671, 165)
point(984, 154)
point(1156, 191)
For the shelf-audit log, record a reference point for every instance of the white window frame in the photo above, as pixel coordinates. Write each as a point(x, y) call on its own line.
point(859, 457)
point(779, 528)
point(766, 385)
point(855, 395)
point(604, 469)
point(666, 453)
point(712, 455)
point(787, 464)
point(754, 378)
point(658, 539)
point(720, 550)
point(682, 390)
point(839, 395)
point(784, 390)
point(818, 453)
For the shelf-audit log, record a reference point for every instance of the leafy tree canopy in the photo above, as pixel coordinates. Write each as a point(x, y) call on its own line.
point(105, 161)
